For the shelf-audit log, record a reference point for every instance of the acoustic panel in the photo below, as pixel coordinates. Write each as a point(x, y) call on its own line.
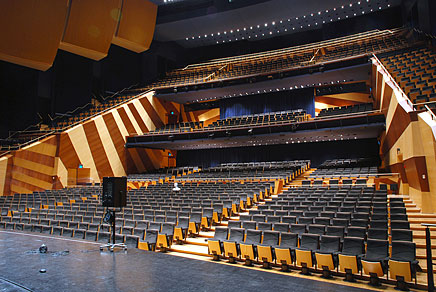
point(136, 26)
point(90, 27)
point(30, 31)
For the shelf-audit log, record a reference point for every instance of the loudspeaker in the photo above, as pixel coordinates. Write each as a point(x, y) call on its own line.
point(114, 192)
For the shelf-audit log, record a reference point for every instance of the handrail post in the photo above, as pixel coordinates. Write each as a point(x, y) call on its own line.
point(430, 279)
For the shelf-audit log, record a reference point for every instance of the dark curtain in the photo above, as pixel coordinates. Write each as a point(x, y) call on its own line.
point(316, 152)
point(269, 102)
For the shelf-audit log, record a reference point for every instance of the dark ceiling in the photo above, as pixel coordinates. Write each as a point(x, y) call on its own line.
point(206, 22)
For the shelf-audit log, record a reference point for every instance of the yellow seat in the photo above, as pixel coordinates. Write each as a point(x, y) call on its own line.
point(400, 269)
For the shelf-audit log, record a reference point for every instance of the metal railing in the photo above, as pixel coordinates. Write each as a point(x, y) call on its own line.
point(11, 148)
point(428, 247)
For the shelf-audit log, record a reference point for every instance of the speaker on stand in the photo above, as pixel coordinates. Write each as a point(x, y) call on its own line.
point(114, 196)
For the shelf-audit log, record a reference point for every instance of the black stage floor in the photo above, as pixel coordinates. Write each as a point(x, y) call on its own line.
point(80, 266)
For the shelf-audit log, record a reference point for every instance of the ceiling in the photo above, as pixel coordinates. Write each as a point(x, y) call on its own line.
point(218, 23)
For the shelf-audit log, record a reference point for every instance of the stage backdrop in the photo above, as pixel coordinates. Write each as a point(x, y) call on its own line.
point(271, 102)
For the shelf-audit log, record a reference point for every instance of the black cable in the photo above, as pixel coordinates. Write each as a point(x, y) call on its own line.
point(16, 284)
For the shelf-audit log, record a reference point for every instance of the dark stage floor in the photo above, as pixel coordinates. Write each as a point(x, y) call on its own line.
point(80, 266)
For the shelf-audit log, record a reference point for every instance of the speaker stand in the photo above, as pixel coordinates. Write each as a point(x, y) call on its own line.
point(111, 246)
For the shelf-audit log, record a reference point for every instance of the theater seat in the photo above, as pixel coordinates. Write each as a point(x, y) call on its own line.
point(305, 254)
point(149, 242)
point(181, 229)
point(403, 263)
point(165, 237)
point(249, 246)
point(266, 249)
point(215, 244)
point(285, 252)
point(376, 259)
point(353, 249)
point(327, 255)
point(231, 246)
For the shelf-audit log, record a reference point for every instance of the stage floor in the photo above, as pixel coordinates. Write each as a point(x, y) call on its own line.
point(73, 265)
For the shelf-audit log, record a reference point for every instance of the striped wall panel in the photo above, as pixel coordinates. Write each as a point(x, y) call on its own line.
point(408, 146)
point(97, 144)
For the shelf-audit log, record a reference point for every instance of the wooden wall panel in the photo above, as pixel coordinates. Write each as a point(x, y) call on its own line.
point(4, 161)
point(97, 144)
point(136, 27)
point(30, 31)
point(97, 151)
point(90, 27)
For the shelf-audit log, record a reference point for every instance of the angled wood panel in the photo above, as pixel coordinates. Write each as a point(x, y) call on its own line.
point(90, 27)
point(30, 31)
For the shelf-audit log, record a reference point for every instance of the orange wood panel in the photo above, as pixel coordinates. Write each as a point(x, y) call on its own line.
point(118, 141)
point(136, 27)
point(400, 121)
point(30, 31)
point(151, 112)
point(67, 153)
point(83, 176)
point(126, 121)
point(97, 151)
point(138, 118)
point(31, 173)
point(35, 157)
point(416, 168)
point(72, 176)
point(90, 27)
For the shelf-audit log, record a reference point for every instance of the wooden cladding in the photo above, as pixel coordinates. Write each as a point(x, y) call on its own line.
point(97, 145)
point(32, 30)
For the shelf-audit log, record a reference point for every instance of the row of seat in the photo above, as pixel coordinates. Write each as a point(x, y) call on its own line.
point(414, 70)
point(325, 252)
point(284, 59)
point(343, 110)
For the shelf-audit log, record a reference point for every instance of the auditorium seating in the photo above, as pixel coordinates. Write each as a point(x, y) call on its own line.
point(414, 71)
point(345, 110)
point(284, 59)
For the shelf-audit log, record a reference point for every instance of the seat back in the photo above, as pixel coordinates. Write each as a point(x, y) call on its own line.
point(403, 251)
point(183, 222)
point(402, 235)
point(316, 229)
point(221, 233)
point(378, 233)
point(168, 228)
point(353, 246)
point(336, 231)
point(234, 224)
point(264, 226)
point(253, 236)
point(151, 236)
point(236, 234)
point(288, 239)
point(309, 241)
point(298, 228)
point(377, 250)
point(281, 227)
point(270, 238)
point(329, 244)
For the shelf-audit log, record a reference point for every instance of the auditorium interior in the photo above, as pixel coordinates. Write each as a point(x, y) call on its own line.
point(217, 145)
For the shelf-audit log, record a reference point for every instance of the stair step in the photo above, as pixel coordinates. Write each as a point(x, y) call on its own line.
point(422, 215)
point(422, 220)
point(190, 249)
point(201, 241)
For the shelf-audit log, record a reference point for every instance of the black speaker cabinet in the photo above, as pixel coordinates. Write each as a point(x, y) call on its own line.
point(114, 192)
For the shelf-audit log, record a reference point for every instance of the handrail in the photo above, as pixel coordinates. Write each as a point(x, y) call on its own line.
point(428, 247)
point(73, 125)
point(432, 114)
point(392, 80)
point(352, 175)
point(291, 68)
point(340, 40)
